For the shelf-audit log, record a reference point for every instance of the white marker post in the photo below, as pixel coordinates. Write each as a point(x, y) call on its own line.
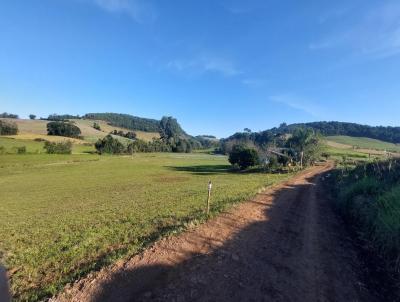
point(209, 196)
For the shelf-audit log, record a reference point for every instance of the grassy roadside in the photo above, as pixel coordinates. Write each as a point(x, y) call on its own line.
point(368, 197)
point(63, 216)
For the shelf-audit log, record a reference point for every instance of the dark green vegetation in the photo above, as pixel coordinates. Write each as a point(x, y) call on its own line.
point(129, 134)
point(109, 145)
point(62, 117)
point(126, 121)
point(63, 129)
point(32, 116)
point(8, 128)
point(388, 134)
point(63, 216)
point(302, 147)
point(368, 195)
point(364, 143)
point(243, 157)
point(8, 115)
point(58, 147)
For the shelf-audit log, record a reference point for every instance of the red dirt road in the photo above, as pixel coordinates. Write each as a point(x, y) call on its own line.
point(286, 244)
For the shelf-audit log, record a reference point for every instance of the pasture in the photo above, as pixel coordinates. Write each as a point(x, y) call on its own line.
point(364, 143)
point(63, 216)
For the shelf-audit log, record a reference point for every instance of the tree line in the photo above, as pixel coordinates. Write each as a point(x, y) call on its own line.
point(302, 147)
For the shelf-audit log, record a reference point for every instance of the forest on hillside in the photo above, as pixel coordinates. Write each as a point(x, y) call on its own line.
point(273, 135)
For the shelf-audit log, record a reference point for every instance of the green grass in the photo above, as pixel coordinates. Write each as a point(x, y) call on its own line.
point(11, 144)
point(365, 143)
point(62, 216)
point(337, 153)
point(368, 195)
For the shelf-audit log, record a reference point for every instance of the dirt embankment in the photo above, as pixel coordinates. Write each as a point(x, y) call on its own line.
point(284, 245)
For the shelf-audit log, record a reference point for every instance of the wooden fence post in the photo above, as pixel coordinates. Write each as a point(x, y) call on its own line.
point(209, 197)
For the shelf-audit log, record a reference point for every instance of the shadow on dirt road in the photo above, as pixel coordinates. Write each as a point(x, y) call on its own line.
point(286, 244)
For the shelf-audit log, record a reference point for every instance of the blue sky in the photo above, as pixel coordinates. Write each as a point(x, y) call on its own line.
point(217, 65)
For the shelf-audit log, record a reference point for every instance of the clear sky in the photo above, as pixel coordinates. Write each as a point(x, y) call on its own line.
point(218, 66)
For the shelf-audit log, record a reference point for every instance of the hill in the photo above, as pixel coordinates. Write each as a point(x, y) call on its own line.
point(384, 134)
point(363, 143)
point(126, 121)
point(387, 134)
point(30, 130)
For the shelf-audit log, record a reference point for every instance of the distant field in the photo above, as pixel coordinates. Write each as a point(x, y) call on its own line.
point(92, 134)
point(11, 143)
point(62, 216)
point(364, 143)
point(31, 129)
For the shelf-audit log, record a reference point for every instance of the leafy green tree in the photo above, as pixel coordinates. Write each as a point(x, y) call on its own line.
point(306, 143)
point(63, 129)
point(109, 145)
point(243, 157)
point(58, 148)
point(32, 116)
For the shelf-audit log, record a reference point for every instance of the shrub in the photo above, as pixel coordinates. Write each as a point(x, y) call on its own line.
point(8, 128)
point(243, 157)
point(21, 150)
point(96, 126)
point(109, 145)
point(39, 139)
point(63, 129)
point(58, 148)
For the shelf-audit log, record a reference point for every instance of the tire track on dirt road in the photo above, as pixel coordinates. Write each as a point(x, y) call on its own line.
point(284, 245)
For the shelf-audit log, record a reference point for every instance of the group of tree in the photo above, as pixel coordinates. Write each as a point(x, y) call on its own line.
point(58, 147)
point(8, 128)
point(129, 134)
point(8, 115)
point(63, 129)
point(126, 121)
point(388, 134)
point(273, 135)
point(62, 117)
point(302, 147)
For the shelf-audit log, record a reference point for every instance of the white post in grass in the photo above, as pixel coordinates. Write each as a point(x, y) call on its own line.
point(209, 196)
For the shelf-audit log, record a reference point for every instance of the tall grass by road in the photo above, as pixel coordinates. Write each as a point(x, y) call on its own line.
point(368, 195)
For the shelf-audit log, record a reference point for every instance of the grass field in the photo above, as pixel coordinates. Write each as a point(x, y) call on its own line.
point(63, 216)
point(364, 143)
point(11, 143)
point(31, 129)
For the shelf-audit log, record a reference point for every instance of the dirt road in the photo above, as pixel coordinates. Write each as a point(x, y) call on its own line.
point(284, 245)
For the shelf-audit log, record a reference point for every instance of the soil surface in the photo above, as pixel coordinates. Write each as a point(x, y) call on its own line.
point(287, 244)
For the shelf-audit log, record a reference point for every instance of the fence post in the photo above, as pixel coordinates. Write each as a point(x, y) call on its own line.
point(209, 197)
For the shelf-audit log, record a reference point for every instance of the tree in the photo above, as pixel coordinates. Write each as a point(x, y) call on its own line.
point(306, 143)
point(58, 148)
point(32, 116)
point(243, 157)
point(109, 145)
point(63, 129)
point(248, 130)
point(8, 128)
point(96, 126)
point(8, 115)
